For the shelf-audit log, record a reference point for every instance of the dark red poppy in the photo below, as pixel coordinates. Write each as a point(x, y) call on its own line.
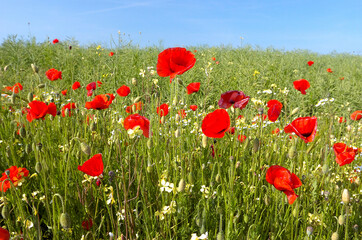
point(162, 110)
point(64, 92)
point(111, 54)
point(344, 155)
point(53, 74)
point(193, 87)
point(91, 86)
point(87, 224)
point(241, 138)
point(135, 120)
point(283, 180)
point(276, 131)
point(301, 85)
point(182, 113)
point(193, 107)
point(231, 130)
point(304, 127)
point(69, 106)
point(329, 70)
point(4, 234)
point(138, 107)
point(215, 124)
point(310, 63)
point(76, 85)
point(39, 109)
point(236, 98)
point(174, 61)
point(93, 166)
point(55, 41)
point(357, 115)
point(100, 101)
point(275, 108)
point(123, 91)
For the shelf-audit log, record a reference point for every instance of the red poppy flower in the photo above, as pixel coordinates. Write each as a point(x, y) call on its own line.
point(276, 131)
point(99, 83)
point(310, 63)
point(193, 107)
point(213, 58)
point(236, 98)
point(193, 87)
point(215, 124)
point(138, 107)
point(69, 106)
point(342, 119)
point(4, 234)
point(87, 224)
point(283, 180)
point(344, 155)
point(329, 70)
point(182, 113)
point(275, 108)
point(123, 91)
point(100, 101)
point(304, 127)
point(135, 120)
point(91, 86)
point(53, 74)
point(240, 117)
point(301, 85)
point(357, 115)
point(55, 41)
point(162, 110)
point(111, 54)
point(341, 78)
point(16, 176)
point(39, 109)
point(64, 92)
point(231, 130)
point(174, 61)
point(217, 62)
point(241, 138)
point(76, 85)
point(15, 89)
point(93, 166)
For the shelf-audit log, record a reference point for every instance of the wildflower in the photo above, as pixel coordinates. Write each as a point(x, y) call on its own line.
point(87, 224)
point(93, 166)
point(4, 234)
point(304, 127)
point(137, 120)
point(236, 98)
point(256, 72)
point(111, 54)
point(193, 87)
point(100, 101)
point(53, 74)
point(39, 110)
point(55, 41)
point(357, 115)
point(123, 91)
point(137, 107)
point(310, 63)
point(162, 110)
point(193, 107)
point(76, 85)
point(344, 155)
point(329, 70)
point(16, 176)
point(15, 89)
point(69, 106)
point(301, 85)
point(64, 92)
point(195, 237)
point(215, 124)
point(166, 186)
point(241, 138)
point(275, 108)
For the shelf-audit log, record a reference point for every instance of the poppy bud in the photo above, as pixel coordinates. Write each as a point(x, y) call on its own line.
point(149, 143)
point(181, 185)
point(341, 220)
point(177, 118)
point(325, 168)
point(291, 152)
point(220, 235)
point(41, 85)
point(295, 212)
point(39, 146)
point(30, 96)
point(136, 100)
point(134, 108)
point(35, 68)
point(13, 98)
point(237, 165)
point(134, 81)
point(190, 178)
point(6, 68)
point(98, 182)
point(349, 128)
point(85, 148)
point(93, 127)
point(28, 148)
point(204, 141)
point(256, 145)
point(309, 230)
point(5, 212)
point(162, 120)
point(295, 110)
point(217, 178)
point(177, 133)
point(66, 112)
point(38, 167)
point(174, 102)
point(355, 228)
point(64, 220)
point(335, 236)
point(22, 132)
point(246, 219)
point(345, 196)
point(266, 200)
point(149, 168)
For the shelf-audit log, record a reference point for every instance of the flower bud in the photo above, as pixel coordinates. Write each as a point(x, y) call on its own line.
point(190, 178)
point(217, 178)
point(35, 68)
point(341, 220)
point(38, 167)
point(149, 143)
point(39, 146)
point(85, 148)
point(28, 148)
point(30, 96)
point(174, 102)
point(177, 133)
point(13, 98)
point(345, 196)
point(41, 85)
point(355, 228)
point(295, 110)
point(237, 164)
point(137, 99)
point(335, 236)
point(309, 230)
point(177, 118)
point(65, 220)
point(134, 108)
point(256, 144)
point(291, 152)
point(181, 185)
point(220, 236)
point(162, 120)
point(5, 212)
point(134, 81)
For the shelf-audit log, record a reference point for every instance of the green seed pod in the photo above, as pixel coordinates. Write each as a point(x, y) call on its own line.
point(246, 219)
point(180, 81)
point(85, 148)
point(291, 152)
point(22, 132)
point(181, 185)
point(41, 85)
point(163, 119)
point(28, 148)
point(177, 133)
point(38, 167)
point(190, 178)
point(204, 141)
point(220, 236)
point(217, 178)
point(13, 98)
point(341, 220)
point(5, 212)
point(137, 99)
point(256, 144)
point(275, 147)
point(30, 96)
point(335, 236)
point(65, 220)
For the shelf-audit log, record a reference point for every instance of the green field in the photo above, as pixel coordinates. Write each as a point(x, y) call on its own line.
point(170, 185)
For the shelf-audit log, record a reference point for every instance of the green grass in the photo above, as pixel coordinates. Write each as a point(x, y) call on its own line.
point(237, 202)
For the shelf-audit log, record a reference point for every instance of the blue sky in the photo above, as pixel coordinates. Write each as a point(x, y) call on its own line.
point(319, 26)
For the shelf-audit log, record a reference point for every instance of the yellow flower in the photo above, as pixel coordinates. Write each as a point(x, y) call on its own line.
point(99, 47)
point(256, 73)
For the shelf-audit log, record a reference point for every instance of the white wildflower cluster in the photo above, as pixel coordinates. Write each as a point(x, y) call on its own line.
point(206, 192)
point(324, 101)
point(166, 186)
point(110, 199)
point(166, 210)
point(203, 236)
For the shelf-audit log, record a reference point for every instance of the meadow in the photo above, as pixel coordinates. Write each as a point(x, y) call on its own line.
point(172, 181)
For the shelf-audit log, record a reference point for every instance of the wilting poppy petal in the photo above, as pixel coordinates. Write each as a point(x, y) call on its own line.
point(135, 120)
point(357, 115)
point(275, 108)
point(93, 166)
point(174, 61)
point(301, 85)
point(193, 87)
point(53, 74)
point(193, 107)
point(236, 98)
point(162, 110)
point(310, 63)
point(215, 124)
point(76, 85)
point(123, 91)
point(304, 127)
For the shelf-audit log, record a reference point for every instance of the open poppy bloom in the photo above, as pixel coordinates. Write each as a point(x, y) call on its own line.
point(193, 107)
point(341, 120)
point(64, 92)
point(276, 131)
point(236, 98)
point(310, 63)
point(174, 61)
point(53, 74)
point(329, 70)
point(55, 41)
point(76, 85)
point(93, 166)
point(100, 101)
point(136, 120)
point(193, 87)
point(275, 108)
point(304, 127)
point(283, 180)
point(111, 54)
point(39, 109)
point(182, 113)
point(241, 138)
point(69, 106)
point(357, 115)
point(123, 91)
point(16, 176)
point(162, 110)
point(15, 89)
point(138, 107)
point(301, 85)
point(215, 124)
point(4, 234)
point(344, 155)
point(90, 87)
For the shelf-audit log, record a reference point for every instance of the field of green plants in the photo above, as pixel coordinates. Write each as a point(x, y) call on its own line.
point(97, 161)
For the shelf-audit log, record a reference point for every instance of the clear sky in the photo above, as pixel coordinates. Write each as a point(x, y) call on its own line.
point(320, 26)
